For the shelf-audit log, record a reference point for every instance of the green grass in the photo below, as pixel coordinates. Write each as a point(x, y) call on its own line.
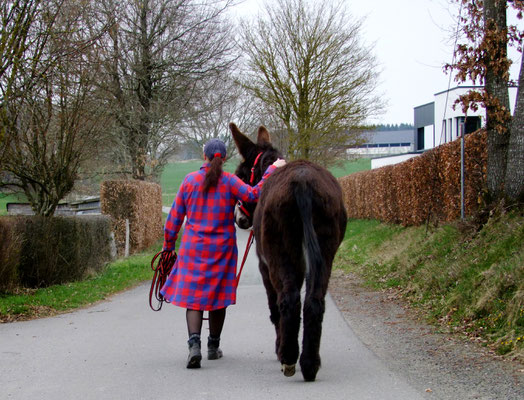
point(117, 276)
point(9, 198)
point(351, 166)
point(466, 281)
point(174, 173)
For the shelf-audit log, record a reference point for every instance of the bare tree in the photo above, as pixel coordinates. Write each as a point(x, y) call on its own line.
point(19, 45)
point(158, 54)
point(55, 116)
point(210, 114)
point(307, 63)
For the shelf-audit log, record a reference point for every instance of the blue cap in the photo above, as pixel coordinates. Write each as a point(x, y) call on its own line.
point(215, 147)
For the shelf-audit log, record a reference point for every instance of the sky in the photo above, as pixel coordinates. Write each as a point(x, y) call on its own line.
point(412, 41)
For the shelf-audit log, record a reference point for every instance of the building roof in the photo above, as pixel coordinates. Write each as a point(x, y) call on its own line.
point(403, 136)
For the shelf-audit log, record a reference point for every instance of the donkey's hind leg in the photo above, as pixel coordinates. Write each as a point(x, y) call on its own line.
point(274, 313)
point(314, 307)
point(289, 307)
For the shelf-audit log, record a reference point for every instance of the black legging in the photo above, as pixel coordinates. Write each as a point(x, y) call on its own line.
point(216, 322)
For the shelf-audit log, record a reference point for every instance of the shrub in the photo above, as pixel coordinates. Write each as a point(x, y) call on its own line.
point(10, 246)
point(141, 204)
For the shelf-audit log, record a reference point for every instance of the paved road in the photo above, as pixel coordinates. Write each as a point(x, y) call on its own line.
point(120, 349)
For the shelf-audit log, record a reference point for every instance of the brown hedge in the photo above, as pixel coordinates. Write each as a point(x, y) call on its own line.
point(138, 201)
point(422, 188)
point(43, 251)
point(10, 247)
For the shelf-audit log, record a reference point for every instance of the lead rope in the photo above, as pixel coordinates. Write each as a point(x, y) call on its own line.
point(165, 265)
point(248, 246)
point(161, 272)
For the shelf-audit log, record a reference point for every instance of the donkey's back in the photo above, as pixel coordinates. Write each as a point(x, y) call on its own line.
point(299, 223)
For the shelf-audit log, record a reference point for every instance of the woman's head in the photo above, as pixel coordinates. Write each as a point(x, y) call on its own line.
point(215, 152)
point(215, 148)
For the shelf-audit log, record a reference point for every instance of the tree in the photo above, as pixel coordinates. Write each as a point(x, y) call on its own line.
point(55, 116)
point(306, 62)
point(18, 45)
point(210, 114)
point(484, 58)
point(159, 56)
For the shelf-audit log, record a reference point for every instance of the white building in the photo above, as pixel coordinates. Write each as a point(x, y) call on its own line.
point(381, 143)
point(439, 122)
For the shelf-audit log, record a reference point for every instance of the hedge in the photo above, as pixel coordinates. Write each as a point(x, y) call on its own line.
point(42, 251)
point(420, 189)
point(141, 204)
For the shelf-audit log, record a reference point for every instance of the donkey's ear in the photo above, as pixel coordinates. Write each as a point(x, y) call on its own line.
point(243, 143)
point(263, 135)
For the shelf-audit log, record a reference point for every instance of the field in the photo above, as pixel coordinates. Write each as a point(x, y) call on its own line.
point(10, 198)
point(174, 173)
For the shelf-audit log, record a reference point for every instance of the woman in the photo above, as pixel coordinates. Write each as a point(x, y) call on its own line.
point(204, 275)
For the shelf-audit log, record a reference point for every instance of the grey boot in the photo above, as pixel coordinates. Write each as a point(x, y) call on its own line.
point(213, 350)
point(195, 356)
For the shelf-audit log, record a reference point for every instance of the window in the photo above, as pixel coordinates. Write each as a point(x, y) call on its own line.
point(420, 139)
point(472, 124)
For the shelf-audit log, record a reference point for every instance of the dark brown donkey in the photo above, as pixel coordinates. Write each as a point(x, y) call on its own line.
point(299, 222)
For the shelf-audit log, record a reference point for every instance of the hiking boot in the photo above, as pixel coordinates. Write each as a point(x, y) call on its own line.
point(195, 356)
point(213, 350)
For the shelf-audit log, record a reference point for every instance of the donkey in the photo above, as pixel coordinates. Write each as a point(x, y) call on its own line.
point(299, 223)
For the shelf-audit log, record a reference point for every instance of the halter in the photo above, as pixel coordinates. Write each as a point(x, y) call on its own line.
point(241, 206)
point(252, 178)
point(251, 181)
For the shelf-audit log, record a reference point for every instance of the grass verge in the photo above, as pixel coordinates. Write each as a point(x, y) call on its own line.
point(464, 280)
point(119, 275)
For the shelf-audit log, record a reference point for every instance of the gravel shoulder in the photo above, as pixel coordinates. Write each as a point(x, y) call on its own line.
point(444, 366)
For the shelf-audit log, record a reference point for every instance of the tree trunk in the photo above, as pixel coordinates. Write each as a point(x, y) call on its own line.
point(514, 188)
point(497, 89)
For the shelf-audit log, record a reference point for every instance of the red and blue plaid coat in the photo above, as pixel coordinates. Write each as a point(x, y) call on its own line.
point(204, 275)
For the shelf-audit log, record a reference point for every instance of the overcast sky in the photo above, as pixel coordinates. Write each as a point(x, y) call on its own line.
point(411, 39)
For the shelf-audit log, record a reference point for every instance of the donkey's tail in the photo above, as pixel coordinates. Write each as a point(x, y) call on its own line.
point(315, 265)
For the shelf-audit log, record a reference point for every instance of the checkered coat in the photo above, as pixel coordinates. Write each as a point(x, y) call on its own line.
point(204, 275)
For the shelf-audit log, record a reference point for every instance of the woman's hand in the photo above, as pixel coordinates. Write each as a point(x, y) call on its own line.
point(280, 162)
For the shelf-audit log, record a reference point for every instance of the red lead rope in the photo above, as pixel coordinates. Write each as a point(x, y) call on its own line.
point(162, 270)
point(248, 246)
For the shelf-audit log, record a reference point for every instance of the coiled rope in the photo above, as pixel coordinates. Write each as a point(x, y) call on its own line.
point(161, 272)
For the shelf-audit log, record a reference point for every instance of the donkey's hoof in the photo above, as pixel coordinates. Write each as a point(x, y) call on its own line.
point(288, 370)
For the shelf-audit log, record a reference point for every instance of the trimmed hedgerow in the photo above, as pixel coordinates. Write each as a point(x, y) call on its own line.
point(139, 202)
point(420, 189)
point(10, 246)
point(44, 251)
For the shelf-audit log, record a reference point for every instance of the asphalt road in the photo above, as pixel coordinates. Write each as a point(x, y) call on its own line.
point(120, 349)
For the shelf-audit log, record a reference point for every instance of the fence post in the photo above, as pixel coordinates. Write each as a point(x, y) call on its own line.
point(462, 211)
point(126, 250)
